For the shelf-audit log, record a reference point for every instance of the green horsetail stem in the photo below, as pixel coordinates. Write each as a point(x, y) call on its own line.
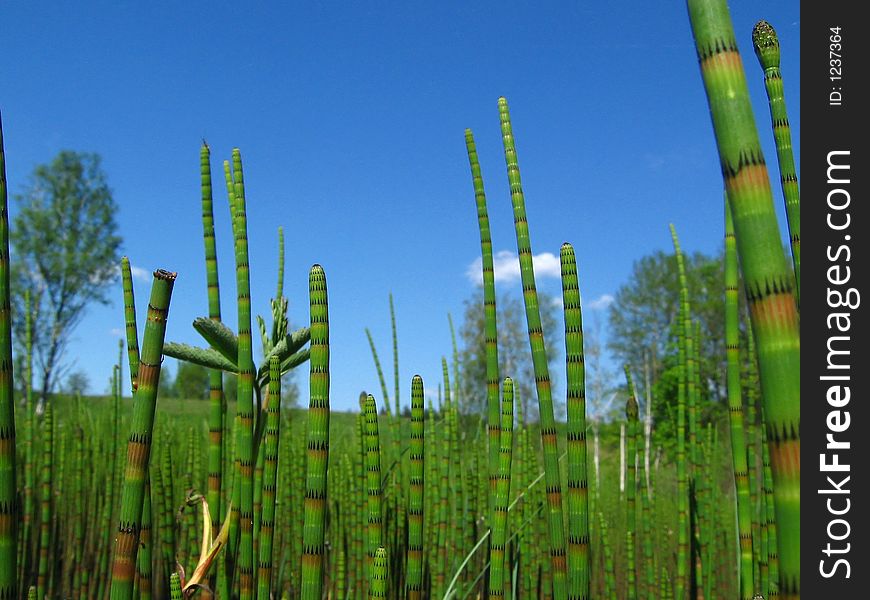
point(30, 420)
point(735, 408)
point(8, 490)
point(143, 559)
point(373, 481)
point(217, 402)
point(631, 435)
point(766, 277)
point(489, 314)
point(270, 474)
point(175, 587)
point(381, 379)
point(414, 577)
point(395, 358)
point(539, 359)
point(498, 539)
point(245, 395)
point(130, 321)
point(578, 494)
point(139, 443)
point(280, 292)
point(766, 45)
point(682, 572)
point(769, 518)
point(379, 576)
point(42, 568)
point(318, 439)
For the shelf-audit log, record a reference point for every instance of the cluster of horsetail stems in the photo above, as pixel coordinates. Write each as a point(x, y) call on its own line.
point(436, 505)
point(767, 281)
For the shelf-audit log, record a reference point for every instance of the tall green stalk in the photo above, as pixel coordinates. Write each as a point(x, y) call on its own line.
point(373, 481)
point(8, 491)
point(489, 315)
point(682, 571)
point(767, 281)
point(43, 566)
point(379, 575)
point(498, 539)
point(631, 436)
point(318, 439)
point(766, 45)
point(245, 397)
point(735, 408)
point(578, 494)
point(217, 402)
point(414, 579)
point(270, 474)
point(139, 442)
point(130, 321)
point(539, 360)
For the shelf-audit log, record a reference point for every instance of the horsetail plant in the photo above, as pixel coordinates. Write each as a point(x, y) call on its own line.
point(766, 45)
point(631, 488)
point(318, 440)
point(378, 580)
point(130, 321)
point(768, 285)
point(43, 566)
point(139, 443)
point(217, 402)
point(245, 397)
point(539, 359)
point(8, 491)
point(489, 312)
point(498, 539)
point(414, 578)
point(682, 573)
point(735, 408)
point(373, 480)
point(270, 472)
point(578, 494)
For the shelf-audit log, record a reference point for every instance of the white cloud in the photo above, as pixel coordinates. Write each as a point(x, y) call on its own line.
point(140, 273)
point(601, 302)
point(506, 267)
point(116, 332)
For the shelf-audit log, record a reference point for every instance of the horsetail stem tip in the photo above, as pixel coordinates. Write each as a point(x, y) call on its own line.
point(166, 275)
point(766, 44)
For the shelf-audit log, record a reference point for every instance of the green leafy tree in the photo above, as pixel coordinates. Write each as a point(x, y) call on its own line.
point(643, 330)
point(165, 387)
point(66, 246)
point(191, 382)
point(514, 356)
point(77, 383)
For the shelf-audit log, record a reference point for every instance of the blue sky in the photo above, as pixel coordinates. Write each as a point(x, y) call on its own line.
point(350, 118)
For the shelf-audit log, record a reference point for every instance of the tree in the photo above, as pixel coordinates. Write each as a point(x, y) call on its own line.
point(643, 329)
point(514, 355)
point(77, 383)
point(65, 247)
point(191, 381)
point(644, 309)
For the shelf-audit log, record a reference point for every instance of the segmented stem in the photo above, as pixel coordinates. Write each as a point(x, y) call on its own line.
point(270, 476)
point(578, 495)
point(772, 305)
point(766, 44)
point(498, 539)
point(539, 359)
point(318, 440)
point(414, 578)
point(139, 442)
point(8, 490)
point(735, 408)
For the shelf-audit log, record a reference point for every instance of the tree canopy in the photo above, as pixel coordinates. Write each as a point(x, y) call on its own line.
point(65, 247)
point(514, 355)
